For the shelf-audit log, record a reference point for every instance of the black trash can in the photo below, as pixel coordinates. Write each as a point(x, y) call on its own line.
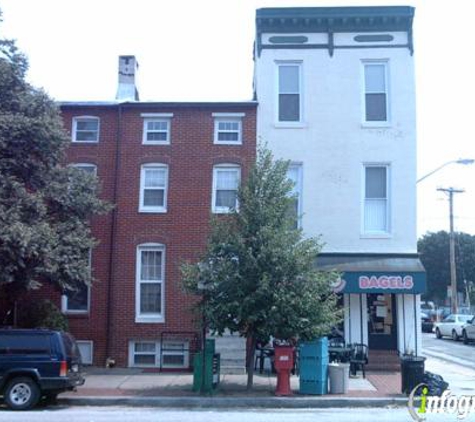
point(412, 372)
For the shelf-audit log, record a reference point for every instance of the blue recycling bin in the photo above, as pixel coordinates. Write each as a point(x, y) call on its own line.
point(313, 364)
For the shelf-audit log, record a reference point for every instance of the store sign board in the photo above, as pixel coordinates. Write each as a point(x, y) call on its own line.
point(380, 282)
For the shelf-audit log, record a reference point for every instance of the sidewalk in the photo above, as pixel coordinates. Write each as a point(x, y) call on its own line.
point(135, 388)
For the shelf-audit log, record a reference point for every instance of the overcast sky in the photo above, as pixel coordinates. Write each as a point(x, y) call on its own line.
point(202, 50)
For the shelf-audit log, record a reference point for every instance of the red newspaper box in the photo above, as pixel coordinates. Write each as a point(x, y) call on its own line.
point(283, 363)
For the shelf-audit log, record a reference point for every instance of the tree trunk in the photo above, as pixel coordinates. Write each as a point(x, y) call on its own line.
point(250, 361)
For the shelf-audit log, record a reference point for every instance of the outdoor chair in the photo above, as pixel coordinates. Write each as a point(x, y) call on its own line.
point(358, 358)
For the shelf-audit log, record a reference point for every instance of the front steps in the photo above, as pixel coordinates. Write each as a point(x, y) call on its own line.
point(383, 360)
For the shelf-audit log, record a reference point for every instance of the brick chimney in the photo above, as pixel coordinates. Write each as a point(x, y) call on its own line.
point(127, 88)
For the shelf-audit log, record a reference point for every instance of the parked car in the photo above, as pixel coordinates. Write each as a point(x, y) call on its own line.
point(468, 331)
point(426, 323)
point(36, 363)
point(451, 326)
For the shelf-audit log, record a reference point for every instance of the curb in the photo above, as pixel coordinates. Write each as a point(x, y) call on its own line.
point(236, 402)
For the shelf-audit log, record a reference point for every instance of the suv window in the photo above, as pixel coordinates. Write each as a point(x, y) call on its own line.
point(70, 345)
point(21, 344)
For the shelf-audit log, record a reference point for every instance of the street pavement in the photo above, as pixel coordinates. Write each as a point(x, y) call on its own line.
point(449, 350)
point(125, 414)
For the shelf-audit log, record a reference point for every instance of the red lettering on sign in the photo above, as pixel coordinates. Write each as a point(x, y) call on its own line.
point(386, 282)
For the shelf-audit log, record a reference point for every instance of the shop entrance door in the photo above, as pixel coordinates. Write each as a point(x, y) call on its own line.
point(382, 322)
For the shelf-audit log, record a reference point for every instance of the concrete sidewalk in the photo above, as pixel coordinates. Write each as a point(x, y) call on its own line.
point(136, 388)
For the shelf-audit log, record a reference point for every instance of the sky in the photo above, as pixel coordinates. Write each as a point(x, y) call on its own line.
point(201, 50)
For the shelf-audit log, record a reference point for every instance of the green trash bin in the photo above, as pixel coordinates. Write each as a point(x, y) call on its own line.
point(313, 366)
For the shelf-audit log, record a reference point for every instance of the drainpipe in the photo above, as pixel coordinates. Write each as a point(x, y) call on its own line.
point(113, 234)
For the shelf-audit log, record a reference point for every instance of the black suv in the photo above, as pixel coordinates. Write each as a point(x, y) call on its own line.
point(36, 363)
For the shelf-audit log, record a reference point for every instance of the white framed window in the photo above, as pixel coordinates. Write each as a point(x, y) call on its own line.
point(228, 128)
point(149, 294)
point(87, 167)
point(289, 92)
point(294, 173)
point(86, 349)
point(153, 188)
point(85, 129)
point(376, 93)
point(376, 199)
point(146, 353)
point(156, 128)
point(143, 353)
point(175, 354)
point(77, 301)
point(226, 179)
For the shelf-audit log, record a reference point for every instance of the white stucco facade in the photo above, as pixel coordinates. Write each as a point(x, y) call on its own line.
point(333, 144)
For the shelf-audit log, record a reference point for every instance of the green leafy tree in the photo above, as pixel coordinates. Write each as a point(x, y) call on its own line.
point(45, 206)
point(258, 274)
point(434, 252)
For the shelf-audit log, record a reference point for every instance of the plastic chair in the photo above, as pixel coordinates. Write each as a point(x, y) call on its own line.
point(359, 358)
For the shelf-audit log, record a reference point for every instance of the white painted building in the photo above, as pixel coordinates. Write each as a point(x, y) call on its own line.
point(336, 94)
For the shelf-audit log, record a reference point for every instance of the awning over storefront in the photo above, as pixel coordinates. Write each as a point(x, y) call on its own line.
point(376, 273)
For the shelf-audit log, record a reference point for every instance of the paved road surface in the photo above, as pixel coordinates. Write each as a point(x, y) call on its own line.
point(447, 349)
point(123, 414)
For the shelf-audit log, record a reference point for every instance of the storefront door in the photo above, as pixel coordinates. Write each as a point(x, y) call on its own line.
point(382, 321)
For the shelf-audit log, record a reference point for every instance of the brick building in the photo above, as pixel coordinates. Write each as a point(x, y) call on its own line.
point(167, 167)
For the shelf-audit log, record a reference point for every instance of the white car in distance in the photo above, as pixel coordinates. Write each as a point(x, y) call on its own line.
point(468, 331)
point(451, 326)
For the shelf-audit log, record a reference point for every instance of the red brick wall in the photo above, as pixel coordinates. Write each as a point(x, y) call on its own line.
point(182, 229)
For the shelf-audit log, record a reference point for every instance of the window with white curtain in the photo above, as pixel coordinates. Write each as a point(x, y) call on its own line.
point(149, 283)
point(226, 178)
point(376, 199)
point(153, 188)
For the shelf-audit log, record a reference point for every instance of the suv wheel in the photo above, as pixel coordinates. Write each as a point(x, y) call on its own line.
point(22, 393)
point(455, 336)
point(465, 337)
point(437, 333)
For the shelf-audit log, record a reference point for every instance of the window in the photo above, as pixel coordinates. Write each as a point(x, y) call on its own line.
point(156, 131)
point(228, 128)
point(226, 178)
point(294, 173)
point(147, 354)
point(289, 101)
point(376, 202)
point(376, 92)
point(88, 168)
point(86, 351)
point(86, 129)
point(77, 301)
point(153, 188)
point(149, 283)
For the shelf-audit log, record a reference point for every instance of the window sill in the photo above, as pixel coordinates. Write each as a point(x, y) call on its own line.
point(149, 320)
point(376, 236)
point(290, 125)
point(76, 314)
point(85, 142)
point(376, 125)
point(156, 143)
point(227, 143)
point(153, 211)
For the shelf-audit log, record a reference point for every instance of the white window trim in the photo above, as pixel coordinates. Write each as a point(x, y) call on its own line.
point(384, 234)
point(185, 353)
point(299, 187)
point(223, 117)
point(370, 123)
point(153, 209)
point(157, 317)
point(158, 353)
point(156, 117)
point(216, 168)
point(91, 343)
point(75, 121)
point(79, 165)
point(283, 124)
point(64, 298)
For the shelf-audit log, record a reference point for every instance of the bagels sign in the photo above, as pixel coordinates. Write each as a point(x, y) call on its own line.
point(386, 282)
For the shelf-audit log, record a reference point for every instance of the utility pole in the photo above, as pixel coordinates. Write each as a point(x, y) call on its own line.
point(453, 274)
